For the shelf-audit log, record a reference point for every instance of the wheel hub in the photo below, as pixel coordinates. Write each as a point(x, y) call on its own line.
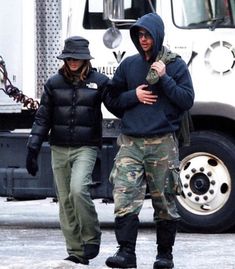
point(204, 182)
point(200, 183)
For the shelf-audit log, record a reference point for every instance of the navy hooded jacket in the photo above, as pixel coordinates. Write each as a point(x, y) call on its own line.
point(174, 89)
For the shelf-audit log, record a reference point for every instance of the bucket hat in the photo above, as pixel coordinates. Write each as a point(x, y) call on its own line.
point(75, 47)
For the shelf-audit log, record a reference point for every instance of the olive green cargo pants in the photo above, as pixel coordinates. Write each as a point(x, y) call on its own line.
point(72, 169)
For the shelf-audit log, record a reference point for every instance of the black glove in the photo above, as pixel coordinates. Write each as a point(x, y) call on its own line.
point(32, 162)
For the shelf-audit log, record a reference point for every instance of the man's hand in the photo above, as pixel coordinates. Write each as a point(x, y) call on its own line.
point(145, 96)
point(159, 67)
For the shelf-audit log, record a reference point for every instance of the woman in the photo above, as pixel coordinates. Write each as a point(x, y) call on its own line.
point(70, 109)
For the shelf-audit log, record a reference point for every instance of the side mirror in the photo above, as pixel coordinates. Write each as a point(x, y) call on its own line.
point(112, 37)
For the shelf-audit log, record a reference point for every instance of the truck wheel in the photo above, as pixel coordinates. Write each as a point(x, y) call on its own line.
point(207, 173)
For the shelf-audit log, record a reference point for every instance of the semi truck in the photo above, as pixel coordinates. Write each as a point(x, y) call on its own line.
point(202, 32)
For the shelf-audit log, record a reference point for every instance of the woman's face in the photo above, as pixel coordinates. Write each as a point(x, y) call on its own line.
point(74, 64)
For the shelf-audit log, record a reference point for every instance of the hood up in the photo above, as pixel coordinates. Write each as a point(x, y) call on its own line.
point(153, 23)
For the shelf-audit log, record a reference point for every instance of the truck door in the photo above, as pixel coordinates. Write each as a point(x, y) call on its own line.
point(204, 34)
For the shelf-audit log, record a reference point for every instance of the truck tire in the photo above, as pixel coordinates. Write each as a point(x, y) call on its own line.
point(207, 173)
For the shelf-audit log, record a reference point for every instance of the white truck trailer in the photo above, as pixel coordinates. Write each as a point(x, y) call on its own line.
point(201, 31)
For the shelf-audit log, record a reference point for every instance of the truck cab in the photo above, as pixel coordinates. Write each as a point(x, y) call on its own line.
point(200, 31)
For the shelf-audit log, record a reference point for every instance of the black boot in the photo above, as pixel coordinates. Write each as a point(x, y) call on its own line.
point(164, 260)
point(91, 251)
point(75, 259)
point(124, 258)
point(126, 229)
point(166, 232)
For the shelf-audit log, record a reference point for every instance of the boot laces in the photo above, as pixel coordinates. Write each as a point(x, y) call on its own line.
point(120, 250)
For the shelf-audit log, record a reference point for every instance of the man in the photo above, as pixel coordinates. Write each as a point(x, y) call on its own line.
point(155, 89)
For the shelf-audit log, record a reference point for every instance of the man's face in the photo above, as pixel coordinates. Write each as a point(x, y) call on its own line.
point(145, 40)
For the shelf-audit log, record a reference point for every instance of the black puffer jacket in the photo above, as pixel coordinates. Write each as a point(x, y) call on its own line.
point(71, 113)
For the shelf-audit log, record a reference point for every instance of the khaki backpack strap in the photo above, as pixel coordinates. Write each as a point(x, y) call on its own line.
point(166, 56)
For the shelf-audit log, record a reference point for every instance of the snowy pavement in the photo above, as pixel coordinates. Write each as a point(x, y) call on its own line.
point(30, 238)
point(45, 249)
point(44, 213)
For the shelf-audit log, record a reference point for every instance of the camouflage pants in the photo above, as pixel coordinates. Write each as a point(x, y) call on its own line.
point(142, 162)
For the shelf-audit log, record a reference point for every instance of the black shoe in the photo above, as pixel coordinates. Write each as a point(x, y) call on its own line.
point(163, 263)
point(91, 251)
point(122, 259)
point(75, 259)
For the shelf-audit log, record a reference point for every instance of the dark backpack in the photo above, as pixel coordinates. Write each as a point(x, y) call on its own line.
point(186, 127)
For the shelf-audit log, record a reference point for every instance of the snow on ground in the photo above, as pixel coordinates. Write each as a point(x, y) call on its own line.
point(43, 265)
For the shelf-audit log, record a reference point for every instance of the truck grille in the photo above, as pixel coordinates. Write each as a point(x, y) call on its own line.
point(48, 40)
